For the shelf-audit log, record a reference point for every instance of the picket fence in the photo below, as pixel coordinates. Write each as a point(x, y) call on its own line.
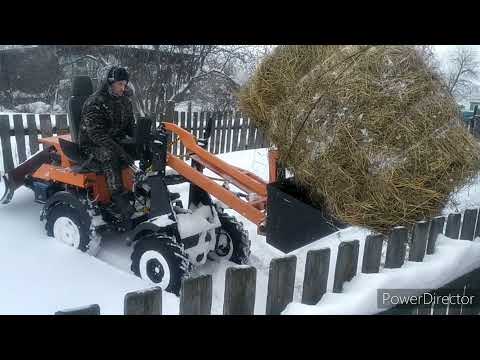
point(240, 282)
point(233, 132)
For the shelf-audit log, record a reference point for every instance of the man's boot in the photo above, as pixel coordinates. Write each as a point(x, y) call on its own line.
point(123, 207)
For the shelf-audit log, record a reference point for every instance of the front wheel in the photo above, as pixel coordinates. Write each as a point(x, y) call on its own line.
point(159, 259)
point(232, 242)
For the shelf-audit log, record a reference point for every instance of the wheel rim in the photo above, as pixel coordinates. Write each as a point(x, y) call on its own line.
point(67, 231)
point(154, 267)
point(224, 245)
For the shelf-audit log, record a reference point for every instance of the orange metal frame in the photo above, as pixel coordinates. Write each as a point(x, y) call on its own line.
point(256, 188)
point(64, 174)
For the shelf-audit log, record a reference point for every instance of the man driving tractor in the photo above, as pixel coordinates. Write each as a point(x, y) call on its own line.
point(107, 119)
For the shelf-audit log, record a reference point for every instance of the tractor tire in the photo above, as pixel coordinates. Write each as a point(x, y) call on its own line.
point(69, 225)
point(158, 258)
point(232, 241)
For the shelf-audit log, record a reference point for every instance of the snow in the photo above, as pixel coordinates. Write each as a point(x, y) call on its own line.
point(40, 275)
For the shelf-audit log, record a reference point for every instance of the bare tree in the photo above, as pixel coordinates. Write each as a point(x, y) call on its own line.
point(463, 69)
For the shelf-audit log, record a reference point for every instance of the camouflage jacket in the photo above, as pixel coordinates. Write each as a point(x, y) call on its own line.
point(105, 120)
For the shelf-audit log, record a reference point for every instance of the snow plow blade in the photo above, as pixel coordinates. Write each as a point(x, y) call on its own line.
point(15, 178)
point(292, 220)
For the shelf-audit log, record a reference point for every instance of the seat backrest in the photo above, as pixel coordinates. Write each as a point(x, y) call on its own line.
point(82, 88)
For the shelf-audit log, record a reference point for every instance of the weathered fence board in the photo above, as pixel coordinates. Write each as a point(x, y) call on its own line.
point(62, 124)
point(146, 302)
point(236, 127)
point(46, 127)
point(218, 133)
point(347, 262)
point(20, 137)
point(182, 124)
point(251, 134)
point(223, 128)
point(229, 132)
point(452, 229)
point(84, 310)
point(419, 242)
point(281, 281)
point(372, 254)
point(396, 248)
point(6, 144)
point(436, 228)
point(240, 287)
point(243, 133)
point(316, 276)
point(32, 134)
point(196, 296)
point(468, 224)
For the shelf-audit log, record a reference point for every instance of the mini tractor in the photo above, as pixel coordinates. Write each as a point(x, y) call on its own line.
point(168, 238)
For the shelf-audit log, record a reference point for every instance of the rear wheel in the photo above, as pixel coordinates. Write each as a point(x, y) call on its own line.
point(159, 259)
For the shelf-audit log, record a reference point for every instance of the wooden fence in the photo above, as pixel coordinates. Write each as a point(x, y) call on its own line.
point(233, 132)
point(240, 283)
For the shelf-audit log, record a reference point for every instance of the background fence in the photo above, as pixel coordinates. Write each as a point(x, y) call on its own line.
point(19, 133)
point(240, 283)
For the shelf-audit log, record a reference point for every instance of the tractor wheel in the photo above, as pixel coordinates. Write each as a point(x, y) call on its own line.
point(69, 225)
point(159, 259)
point(232, 241)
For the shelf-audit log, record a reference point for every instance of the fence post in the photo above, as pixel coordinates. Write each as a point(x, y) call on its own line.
point(436, 228)
point(453, 226)
point(6, 145)
point(316, 276)
point(20, 137)
point(346, 266)
point(84, 310)
point(147, 302)
point(419, 242)
point(396, 248)
point(372, 254)
point(196, 296)
point(281, 282)
point(240, 286)
point(468, 225)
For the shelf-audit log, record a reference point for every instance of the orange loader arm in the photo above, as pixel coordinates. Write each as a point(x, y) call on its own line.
point(253, 208)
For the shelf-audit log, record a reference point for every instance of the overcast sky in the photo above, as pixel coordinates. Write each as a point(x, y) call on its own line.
point(443, 50)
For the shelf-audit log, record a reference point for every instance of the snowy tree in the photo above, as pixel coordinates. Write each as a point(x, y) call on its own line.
point(462, 71)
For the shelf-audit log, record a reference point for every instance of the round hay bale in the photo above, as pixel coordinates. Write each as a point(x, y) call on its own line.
point(369, 131)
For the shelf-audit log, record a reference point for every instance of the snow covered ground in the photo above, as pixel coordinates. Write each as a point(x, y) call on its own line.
point(40, 275)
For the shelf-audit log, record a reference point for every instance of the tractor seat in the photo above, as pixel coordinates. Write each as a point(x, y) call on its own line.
point(82, 163)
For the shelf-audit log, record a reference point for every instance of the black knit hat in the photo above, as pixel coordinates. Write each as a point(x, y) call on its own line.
point(117, 74)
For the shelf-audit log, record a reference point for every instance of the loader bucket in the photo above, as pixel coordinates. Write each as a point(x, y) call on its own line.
point(15, 178)
point(292, 220)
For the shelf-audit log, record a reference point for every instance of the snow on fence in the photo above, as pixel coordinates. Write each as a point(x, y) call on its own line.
point(240, 282)
point(19, 133)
